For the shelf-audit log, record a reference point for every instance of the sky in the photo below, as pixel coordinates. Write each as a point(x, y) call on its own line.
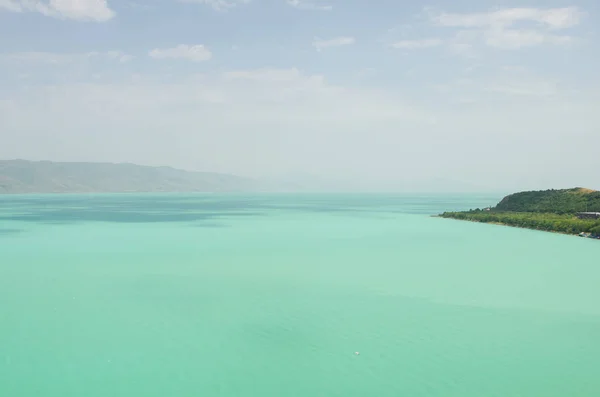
point(470, 95)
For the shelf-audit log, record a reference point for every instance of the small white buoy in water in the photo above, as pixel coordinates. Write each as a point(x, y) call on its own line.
point(357, 353)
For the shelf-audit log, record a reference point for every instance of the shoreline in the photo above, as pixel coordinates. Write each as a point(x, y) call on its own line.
point(517, 227)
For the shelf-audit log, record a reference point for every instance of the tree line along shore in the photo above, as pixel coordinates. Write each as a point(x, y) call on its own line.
point(570, 211)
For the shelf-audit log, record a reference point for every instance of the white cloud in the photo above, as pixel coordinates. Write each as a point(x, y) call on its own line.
point(555, 18)
point(510, 82)
point(126, 58)
point(64, 58)
point(415, 44)
point(115, 55)
point(463, 43)
point(10, 5)
point(512, 39)
point(38, 57)
point(83, 10)
point(269, 75)
point(219, 5)
point(514, 68)
point(525, 88)
point(496, 28)
point(335, 42)
point(196, 53)
point(308, 5)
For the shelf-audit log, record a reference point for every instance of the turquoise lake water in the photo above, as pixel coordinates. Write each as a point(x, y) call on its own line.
point(231, 295)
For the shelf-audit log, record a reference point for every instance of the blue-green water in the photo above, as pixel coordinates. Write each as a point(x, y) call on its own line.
point(210, 295)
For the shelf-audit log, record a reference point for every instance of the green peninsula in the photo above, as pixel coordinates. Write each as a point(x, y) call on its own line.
point(571, 211)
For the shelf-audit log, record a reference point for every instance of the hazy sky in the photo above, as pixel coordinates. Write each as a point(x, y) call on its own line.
point(384, 94)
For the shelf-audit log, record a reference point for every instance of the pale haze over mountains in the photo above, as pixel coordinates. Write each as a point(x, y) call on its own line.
point(23, 177)
point(323, 94)
point(48, 177)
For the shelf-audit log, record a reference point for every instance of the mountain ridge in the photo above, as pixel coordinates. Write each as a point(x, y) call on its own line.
point(24, 176)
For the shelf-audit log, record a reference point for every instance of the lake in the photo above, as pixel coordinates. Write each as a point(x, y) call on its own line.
point(129, 295)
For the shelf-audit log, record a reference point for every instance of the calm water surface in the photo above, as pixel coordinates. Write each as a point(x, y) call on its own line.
point(211, 295)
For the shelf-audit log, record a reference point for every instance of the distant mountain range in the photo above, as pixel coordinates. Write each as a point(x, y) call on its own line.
point(21, 176)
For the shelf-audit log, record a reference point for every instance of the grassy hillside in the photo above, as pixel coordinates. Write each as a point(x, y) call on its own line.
point(20, 176)
point(564, 201)
point(550, 210)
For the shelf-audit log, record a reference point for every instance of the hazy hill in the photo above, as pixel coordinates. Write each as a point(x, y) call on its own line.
point(20, 176)
point(556, 201)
